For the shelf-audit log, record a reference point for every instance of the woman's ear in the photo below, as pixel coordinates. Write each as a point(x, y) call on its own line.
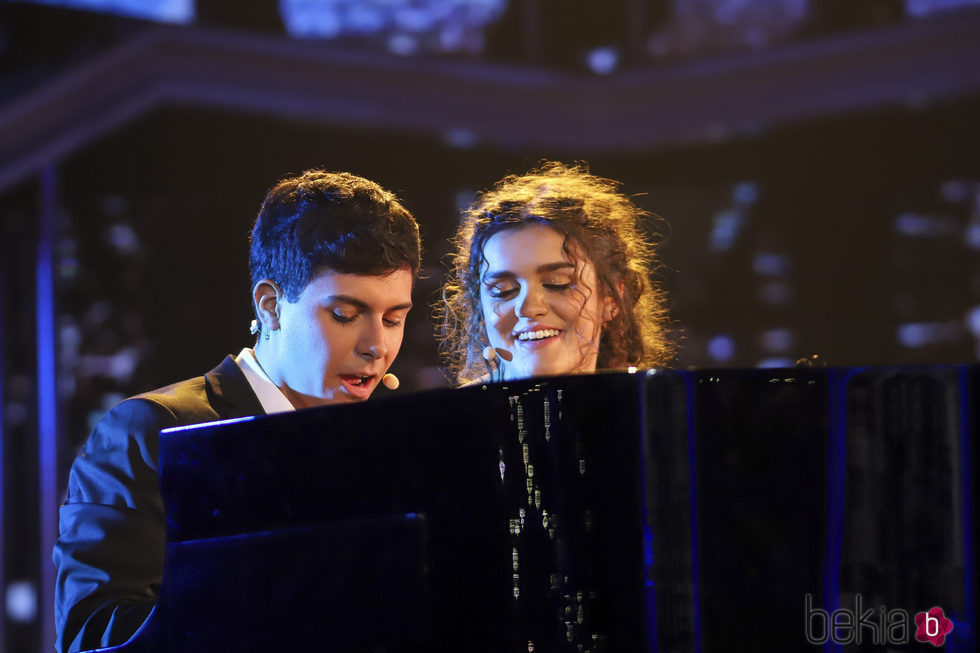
point(608, 309)
point(266, 296)
point(609, 303)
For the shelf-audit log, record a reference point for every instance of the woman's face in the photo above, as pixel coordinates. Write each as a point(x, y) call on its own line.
point(540, 305)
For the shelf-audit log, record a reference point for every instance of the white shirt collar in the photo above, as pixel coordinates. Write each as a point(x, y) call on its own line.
point(270, 396)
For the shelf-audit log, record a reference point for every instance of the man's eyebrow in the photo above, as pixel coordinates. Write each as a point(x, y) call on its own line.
point(360, 305)
point(546, 267)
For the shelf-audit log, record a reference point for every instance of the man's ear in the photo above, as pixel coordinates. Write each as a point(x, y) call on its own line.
point(266, 296)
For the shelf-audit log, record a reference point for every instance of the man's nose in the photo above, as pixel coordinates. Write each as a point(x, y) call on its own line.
point(372, 343)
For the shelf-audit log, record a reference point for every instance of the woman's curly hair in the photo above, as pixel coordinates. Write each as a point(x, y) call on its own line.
point(596, 220)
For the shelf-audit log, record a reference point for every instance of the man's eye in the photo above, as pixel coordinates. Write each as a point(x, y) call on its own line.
point(391, 322)
point(343, 319)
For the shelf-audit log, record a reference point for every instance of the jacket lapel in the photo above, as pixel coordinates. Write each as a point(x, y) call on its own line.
point(229, 392)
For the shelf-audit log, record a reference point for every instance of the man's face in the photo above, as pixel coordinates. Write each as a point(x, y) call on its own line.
point(339, 337)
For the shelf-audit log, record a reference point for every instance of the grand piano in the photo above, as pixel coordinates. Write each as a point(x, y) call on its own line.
point(702, 511)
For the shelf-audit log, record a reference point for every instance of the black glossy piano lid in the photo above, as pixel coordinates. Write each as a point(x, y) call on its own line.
point(661, 511)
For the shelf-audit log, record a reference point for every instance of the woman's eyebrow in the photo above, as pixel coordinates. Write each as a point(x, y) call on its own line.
point(502, 274)
point(551, 267)
point(544, 267)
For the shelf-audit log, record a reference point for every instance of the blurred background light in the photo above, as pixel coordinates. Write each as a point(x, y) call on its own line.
point(972, 234)
point(602, 61)
point(403, 44)
point(775, 362)
point(955, 190)
point(721, 348)
point(922, 334)
point(973, 321)
point(405, 26)
point(461, 138)
point(777, 341)
point(775, 292)
point(164, 11)
point(917, 8)
point(925, 226)
point(916, 334)
point(21, 601)
point(725, 229)
point(745, 192)
point(770, 265)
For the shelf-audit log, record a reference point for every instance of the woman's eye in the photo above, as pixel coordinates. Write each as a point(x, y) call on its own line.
point(558, 286)
point(503, 291)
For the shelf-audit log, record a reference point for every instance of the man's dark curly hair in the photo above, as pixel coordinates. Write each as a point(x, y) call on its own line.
point(332, 220)
point(596, 220)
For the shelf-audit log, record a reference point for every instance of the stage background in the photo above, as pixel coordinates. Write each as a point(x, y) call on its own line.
point(810, 170)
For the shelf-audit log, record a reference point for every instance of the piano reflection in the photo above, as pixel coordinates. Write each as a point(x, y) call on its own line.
point(658, 511)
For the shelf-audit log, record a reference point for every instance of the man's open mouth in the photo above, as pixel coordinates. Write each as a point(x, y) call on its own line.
point(356, 379)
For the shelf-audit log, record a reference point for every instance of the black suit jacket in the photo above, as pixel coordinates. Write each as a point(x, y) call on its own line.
point(112, 525)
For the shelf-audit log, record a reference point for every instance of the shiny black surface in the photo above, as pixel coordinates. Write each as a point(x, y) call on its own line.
point(531, 505)
point(671, 511)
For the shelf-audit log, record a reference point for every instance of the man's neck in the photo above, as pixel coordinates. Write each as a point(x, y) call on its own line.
point(266, 360)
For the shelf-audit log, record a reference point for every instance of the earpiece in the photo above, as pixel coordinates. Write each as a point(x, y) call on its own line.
point(390, 381)
point(490, 355)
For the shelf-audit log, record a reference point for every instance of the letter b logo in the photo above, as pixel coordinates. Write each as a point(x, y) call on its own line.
point(932, 626)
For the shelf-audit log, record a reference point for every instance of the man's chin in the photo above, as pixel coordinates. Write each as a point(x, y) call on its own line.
point(341, 397)
point(330, 397)
point(348, 399)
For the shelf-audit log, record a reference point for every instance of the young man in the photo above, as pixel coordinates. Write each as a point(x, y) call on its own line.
point(333, 258)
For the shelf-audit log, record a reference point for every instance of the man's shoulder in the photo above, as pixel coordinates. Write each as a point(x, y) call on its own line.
point(125, 442)
point(185, 402)
point(178, 398)
point(196, 399)
point(143, 416)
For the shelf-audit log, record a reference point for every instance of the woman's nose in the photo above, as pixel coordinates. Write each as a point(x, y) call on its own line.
point(530, 303)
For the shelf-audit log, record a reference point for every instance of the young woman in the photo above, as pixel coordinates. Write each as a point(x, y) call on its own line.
point(551, 275)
